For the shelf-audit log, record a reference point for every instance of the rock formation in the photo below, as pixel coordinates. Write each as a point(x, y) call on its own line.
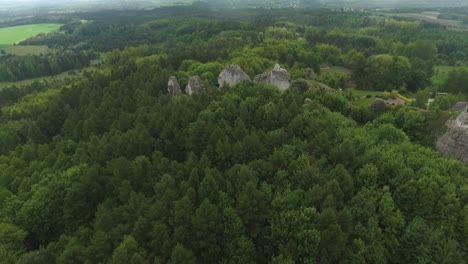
point(195, 85)
point(173, 87)
point(232, 75)
point(278, 76)
point(454, 143)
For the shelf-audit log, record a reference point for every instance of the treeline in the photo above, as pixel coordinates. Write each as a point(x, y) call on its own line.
point(15, 68)
point(368, 45)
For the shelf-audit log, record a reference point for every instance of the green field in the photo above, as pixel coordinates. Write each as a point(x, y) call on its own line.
point(441, 74)
point(27, 50)
point(12, 35)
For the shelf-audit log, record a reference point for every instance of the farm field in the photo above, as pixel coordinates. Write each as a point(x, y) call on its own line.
point(431, 17)
point(12, 35)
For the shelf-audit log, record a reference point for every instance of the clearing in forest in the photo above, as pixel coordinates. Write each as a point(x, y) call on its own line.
point(27, 50)
point(441, 74)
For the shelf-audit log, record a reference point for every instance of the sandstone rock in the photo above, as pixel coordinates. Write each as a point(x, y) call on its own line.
point(454, 143)
point(195, 85)
point(278, 76)
point(173, 87)
point(232, 75)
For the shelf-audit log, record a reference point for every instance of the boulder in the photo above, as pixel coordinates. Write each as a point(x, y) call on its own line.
point(454, 143)
point(232, 75)
point(173, 87)
point(195, 85)
point(278, 76)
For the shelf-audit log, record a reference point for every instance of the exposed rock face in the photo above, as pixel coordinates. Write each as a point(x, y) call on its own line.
point(278, 76)
point(454, 143)
point(195, 85)
point(173, 87)
point(232, 75)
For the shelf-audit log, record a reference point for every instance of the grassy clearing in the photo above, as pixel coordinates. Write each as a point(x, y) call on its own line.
point(365, 98)
point(12, 35)
point(29, 81)
point(362, 93)
point(58, 77)
point(2, 47)
point(361, 97)
point(27, 50)
point(442, 73)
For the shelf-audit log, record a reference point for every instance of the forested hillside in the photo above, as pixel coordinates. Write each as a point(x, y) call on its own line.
point(106, 167)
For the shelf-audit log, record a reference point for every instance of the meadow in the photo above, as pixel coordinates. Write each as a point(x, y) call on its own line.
point(16, 34)
point(441, 74)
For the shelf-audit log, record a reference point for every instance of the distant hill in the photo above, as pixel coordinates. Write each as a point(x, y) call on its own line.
point(12, 4)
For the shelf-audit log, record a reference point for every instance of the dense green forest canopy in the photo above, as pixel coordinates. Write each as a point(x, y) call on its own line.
point(106, 167)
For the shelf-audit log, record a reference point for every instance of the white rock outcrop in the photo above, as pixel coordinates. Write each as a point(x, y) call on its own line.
point(195, 85)
point(232, 75)
point(278, 76)
point(173, 87)
point(454, 143)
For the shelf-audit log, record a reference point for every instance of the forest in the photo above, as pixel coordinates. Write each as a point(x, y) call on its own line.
point(105, 166)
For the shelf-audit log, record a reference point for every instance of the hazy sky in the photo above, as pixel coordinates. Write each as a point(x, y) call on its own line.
point(422, 3)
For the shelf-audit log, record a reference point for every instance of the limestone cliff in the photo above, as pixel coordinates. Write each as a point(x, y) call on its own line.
point(173, 87)
point(278, 76)
point(232, 75)
point(454, 143)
